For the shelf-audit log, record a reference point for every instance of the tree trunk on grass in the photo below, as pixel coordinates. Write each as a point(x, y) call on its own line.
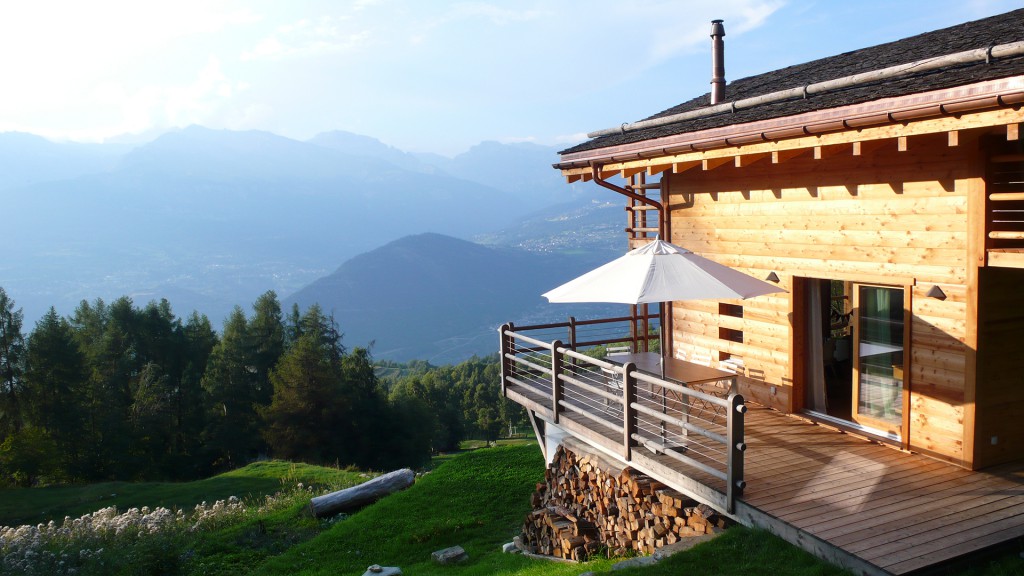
point(358, 496)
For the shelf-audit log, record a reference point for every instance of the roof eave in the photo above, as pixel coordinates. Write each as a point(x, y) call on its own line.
point(900, 109)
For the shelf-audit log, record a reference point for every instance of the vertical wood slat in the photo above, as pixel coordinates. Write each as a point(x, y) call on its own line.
point(506, 350)
point(628, 412)
point(557, 391)
point(737, 446)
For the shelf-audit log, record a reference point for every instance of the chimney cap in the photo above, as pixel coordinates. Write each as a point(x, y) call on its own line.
point(717, 29)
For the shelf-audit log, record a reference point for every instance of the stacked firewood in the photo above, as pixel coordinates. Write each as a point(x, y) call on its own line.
point(586, 505)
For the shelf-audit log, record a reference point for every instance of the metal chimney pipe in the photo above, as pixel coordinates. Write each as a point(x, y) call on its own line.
point(717, 62)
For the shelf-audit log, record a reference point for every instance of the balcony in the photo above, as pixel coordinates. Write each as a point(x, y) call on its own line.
point(856, 503)
point(609, 389)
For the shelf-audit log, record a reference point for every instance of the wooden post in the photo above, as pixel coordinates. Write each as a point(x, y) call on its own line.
point(628, 412)
point(556, 382)
point(505, 349)
point(646, 327)
point(572, 332)
point(734, 472)
point(633, 328)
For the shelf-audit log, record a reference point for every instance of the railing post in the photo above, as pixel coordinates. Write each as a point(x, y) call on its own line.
point(734, 473)
point(505, 350)
point(633, 328)
point(628, 412)
point(556, 382)
point(572, 332)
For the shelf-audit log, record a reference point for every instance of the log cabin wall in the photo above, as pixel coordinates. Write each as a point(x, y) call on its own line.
point(892, 212)
point(999, 407)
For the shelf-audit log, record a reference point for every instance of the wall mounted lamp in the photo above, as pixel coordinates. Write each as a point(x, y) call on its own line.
point(935, 292)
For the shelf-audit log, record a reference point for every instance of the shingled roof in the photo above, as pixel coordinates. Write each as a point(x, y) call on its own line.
point(984, 33)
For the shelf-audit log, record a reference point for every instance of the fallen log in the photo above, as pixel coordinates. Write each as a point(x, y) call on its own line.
point(360, 495)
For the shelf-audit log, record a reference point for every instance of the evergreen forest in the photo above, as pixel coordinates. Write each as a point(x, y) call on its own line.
point(116, 391)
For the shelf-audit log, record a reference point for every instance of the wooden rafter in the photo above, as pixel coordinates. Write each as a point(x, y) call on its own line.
point(712, 163)
point(780, 156)
point(744, 160)
point(823, 144)
point(679, 167)
point(822, 152)
point(866, 147)
point(628, 172)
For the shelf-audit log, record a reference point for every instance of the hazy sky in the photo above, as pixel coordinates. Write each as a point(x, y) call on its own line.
point(425, 76)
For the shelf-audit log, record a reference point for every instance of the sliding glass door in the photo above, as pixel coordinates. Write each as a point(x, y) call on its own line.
point(879, 344)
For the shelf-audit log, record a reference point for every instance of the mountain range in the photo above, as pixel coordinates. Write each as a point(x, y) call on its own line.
point(210, 219)
point(437, 298)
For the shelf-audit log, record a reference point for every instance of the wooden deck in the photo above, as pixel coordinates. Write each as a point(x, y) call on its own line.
point(854, 502)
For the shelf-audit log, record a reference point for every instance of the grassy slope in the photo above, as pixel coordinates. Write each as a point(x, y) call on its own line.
point(33, 505)
point(478, 501)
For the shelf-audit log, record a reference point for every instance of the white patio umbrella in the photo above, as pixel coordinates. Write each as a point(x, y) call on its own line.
point(660, 272)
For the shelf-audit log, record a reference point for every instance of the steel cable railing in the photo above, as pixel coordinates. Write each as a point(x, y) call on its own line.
point(699, 426)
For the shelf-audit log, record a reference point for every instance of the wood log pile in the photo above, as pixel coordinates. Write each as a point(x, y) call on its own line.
point(587, 506)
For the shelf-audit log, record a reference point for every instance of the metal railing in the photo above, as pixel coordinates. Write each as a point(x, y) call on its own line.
point(637, 332)
point(699, 428)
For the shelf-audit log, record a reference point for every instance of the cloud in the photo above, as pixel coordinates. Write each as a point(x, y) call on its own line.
point(681, 36)
point(517, 139)
point(570, 138)
point(306, 38)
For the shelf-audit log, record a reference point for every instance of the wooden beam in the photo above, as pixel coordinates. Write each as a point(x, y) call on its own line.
point(1012, 131)
point(748, 159)
point(679, 167)
point(864, 148)
point(628, 172)
point(901, 144)
point(656, 169)
point(605, 173)
point(953, 138)
point(712, 163)
point(991, 118)
point(573, 178)
point(822, 152)
point(780, 156)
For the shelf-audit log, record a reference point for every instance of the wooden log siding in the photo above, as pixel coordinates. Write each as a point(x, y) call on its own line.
point(896, 218)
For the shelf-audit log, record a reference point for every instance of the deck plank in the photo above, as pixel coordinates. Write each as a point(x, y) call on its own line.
point(878, 516)
point(870, 507)
point(834, 479)
point(864, 500)
point(892, 502)
point(935, 527)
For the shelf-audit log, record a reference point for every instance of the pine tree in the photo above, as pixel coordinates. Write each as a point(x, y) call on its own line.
point(12, 348)
point(55, 376)
point(267, 337)
point(231, 434)
point(327, 405)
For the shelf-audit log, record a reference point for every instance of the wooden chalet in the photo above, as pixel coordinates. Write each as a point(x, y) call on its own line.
point(883, 189)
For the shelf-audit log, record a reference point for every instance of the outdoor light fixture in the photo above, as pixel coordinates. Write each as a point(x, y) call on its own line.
point(772, 277)
point(936, 292)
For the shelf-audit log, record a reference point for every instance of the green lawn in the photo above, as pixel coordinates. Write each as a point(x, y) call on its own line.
point(35, 505)
point(476, 499)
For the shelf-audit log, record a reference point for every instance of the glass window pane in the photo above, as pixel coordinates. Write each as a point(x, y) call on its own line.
point(880, 373)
